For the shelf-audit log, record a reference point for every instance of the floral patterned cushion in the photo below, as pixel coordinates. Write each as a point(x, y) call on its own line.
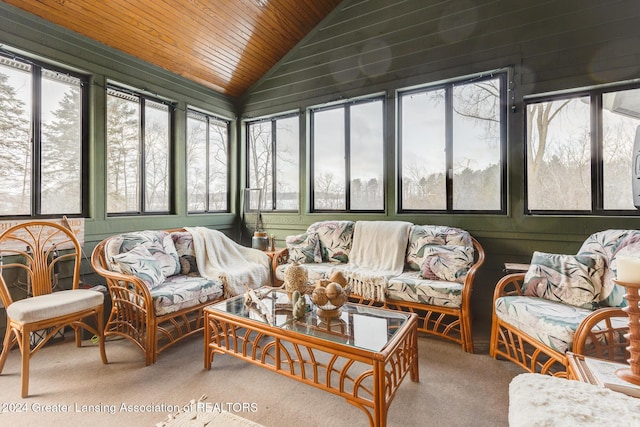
point(183, 241)
point(422, 236)
point(142, 264)
point(159, 243)
point(178, 292)
point(304, 248)
point(410, 286)
point(335, 239)
point(609, 244)
point(550, 322)
point(446, 262)
point(571, 279)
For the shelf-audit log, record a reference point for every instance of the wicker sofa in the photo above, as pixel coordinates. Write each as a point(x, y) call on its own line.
point(564, 303)
point(436, 281)
point(157, 289)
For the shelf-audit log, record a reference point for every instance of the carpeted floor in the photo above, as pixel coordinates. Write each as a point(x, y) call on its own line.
point(71, 387)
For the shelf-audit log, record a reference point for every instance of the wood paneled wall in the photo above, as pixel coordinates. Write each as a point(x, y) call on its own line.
point(372, 46)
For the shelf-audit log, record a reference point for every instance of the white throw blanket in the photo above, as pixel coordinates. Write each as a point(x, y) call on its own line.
point(377, 253)
point(220, 258)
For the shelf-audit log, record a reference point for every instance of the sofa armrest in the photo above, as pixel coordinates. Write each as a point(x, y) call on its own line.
point(279, 258)
point(509, 285)
point(124, 288)
point(602, 334)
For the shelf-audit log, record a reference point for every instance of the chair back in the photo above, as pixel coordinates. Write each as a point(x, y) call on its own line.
point(33, 254)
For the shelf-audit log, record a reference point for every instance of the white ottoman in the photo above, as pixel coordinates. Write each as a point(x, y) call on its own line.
point(543, 400)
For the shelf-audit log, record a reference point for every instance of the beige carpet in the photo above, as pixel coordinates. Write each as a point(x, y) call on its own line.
point(71, 387)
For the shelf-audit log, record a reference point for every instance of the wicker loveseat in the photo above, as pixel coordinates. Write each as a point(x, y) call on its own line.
point(439, 264)
point(564, 303)
point(156, 285)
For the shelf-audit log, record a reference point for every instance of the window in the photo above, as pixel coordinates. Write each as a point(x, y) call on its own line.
point(43, 134)
point(138, 153)
point(348, 156)
point(579, 151)
point(207, 163)
point(452, 146)
point(276, 138)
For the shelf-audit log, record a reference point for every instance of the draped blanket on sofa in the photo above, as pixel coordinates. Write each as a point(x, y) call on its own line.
point(377, 253)
point(219, 257)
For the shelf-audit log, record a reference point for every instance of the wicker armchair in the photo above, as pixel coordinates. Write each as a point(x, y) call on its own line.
point(135, 315)
point(600, 334)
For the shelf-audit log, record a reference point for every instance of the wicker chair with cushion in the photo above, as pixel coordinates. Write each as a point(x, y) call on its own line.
point(34, 253)
point(157, 284)
point(564, 303)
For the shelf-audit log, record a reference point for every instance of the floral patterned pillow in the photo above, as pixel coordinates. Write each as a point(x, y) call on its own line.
point(335, 239)
point(158, 242)
point(446, 262)
point(422, 237)
point(571, 279)
point(142, 264)
point(304, 248)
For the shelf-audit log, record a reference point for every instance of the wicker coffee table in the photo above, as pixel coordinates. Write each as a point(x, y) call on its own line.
point(363, 355)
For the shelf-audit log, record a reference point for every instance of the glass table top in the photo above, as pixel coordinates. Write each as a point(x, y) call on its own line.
point(357, 325)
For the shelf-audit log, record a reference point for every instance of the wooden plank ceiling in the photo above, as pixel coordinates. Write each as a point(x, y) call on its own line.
point(226, 45)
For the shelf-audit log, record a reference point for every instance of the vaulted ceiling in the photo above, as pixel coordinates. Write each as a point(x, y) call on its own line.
point(226, 45)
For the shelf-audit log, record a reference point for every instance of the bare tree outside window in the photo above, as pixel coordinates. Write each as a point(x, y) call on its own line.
point(452, 145)
point(560, 157)
point(348, 156)
point(273, 161)
point(137, 126)
point(207, 163)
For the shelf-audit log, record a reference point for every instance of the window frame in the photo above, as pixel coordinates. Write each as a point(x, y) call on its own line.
point(209, 117)
point(596, 129)
point(448, 87)
point(346, 106)
point(171, 107)
point(35, 116)
point(273, 200)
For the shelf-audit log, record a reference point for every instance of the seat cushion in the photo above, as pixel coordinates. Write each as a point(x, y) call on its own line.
point(315, 271)
point(410, 286)
point(56, 304)
point(550, 322)
point(178, 292)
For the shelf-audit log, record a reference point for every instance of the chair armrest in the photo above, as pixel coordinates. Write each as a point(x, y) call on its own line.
point(602, 334)
point(509, 285)
point(119, 282)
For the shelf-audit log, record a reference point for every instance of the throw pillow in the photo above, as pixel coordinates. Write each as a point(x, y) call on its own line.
point(188, 265)
point(422, 237)
point(571, 279)
point(140, 263)
point(160, 245)
point(335, 239)
point(446, 262)
point(304, 248)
